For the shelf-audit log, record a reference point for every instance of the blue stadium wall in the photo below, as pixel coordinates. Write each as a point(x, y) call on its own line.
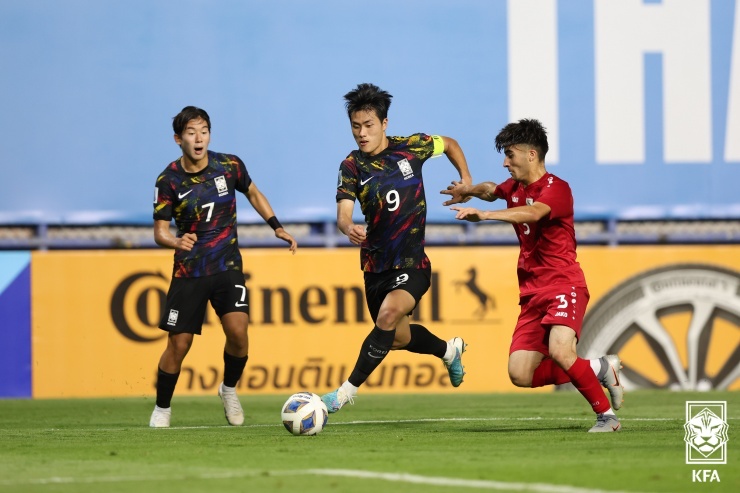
point(641, 97)
point(15, 324)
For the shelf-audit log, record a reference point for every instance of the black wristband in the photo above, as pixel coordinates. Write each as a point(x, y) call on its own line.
point(274, 223)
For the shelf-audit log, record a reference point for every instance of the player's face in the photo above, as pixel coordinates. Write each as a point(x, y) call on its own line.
point(194, 140)
point(519, 161)
point(369, 131)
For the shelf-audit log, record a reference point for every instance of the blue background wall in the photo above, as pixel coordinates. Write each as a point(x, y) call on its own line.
point(89, 88)
point(15, 324)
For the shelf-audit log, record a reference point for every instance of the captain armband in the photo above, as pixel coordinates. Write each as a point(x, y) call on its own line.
point(274, 223)
point(439, 145)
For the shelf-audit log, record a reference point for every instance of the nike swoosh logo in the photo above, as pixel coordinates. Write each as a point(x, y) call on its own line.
point(365, 181)
point(181, 195)
point(616, 377)
point(240, 304)
point(371, 355)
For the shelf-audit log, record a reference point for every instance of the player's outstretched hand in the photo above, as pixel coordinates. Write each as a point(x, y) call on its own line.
point(285, 236)
point(186, 242)
point(457, 190)
point(468, 214)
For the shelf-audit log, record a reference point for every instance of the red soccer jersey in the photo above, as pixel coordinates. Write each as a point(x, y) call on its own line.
point(547, 254)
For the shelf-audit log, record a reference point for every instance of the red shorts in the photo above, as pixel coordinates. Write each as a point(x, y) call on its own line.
point(557, 305)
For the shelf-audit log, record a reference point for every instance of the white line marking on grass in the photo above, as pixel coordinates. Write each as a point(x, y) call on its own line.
point(533, 418)
point(345, 473)
point(465, 483)
point(366, 422)
point(131, 478)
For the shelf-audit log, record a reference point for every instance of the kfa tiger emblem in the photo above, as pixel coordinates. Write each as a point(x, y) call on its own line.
point(706, 433)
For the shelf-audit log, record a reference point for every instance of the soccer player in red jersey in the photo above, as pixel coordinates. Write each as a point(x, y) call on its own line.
point(552, 288)
point(198, 191)
point(385, 175)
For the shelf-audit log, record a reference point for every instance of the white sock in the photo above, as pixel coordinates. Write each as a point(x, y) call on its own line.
point(163, 409)
point(595, 365)
point(610, 412)
point(449, 354)
point(349, 389)
point(227, 390)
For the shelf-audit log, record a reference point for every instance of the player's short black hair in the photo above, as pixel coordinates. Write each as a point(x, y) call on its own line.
point(180, 121)
point(525, 131)
point(366, 97)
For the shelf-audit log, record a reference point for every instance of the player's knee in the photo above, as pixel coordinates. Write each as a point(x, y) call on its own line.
point(179, 347)
point(563, 357)
point(237, 340)
point(388, 318)
point(520, 378)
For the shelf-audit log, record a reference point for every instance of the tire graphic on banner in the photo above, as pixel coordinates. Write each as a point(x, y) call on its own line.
point(705, 299)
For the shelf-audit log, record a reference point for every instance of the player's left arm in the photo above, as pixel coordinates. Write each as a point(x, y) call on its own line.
point(515, 215)
point(455, 154)
point(264, 209)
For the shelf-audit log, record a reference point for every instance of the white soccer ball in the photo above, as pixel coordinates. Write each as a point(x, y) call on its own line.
point(304, 413)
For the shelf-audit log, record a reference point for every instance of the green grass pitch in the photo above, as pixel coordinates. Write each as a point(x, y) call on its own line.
point(384, 443)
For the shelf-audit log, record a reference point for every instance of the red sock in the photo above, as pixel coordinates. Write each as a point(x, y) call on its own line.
point(588, 385)
point(549, 373)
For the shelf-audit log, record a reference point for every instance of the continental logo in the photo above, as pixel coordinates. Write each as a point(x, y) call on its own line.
point(138, 300)
point(136, 306)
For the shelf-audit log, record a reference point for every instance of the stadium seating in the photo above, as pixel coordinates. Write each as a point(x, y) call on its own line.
point(325, 234)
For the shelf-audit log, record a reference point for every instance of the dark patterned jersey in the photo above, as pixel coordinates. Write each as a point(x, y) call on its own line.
point(390, 189)
point(547, 254)
point(203, 203)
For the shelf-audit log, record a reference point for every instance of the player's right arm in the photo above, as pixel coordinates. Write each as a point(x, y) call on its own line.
point(460, 191)
point(164, 237)
point(355, 232)
point(515, 215)
point(164, 198)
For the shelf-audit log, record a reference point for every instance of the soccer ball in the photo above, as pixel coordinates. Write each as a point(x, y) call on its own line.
point(304, 413)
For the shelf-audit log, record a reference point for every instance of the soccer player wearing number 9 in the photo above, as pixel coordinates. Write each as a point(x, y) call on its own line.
point(385, 175)
point(198, 191)
point(552, 287)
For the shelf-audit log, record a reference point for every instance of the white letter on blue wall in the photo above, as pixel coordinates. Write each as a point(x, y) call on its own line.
point(732, 137)
point(625, 31)
point(533, 66)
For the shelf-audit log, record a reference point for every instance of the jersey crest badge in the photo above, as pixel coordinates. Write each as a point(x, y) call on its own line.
point(405, 168)
point(221, 186)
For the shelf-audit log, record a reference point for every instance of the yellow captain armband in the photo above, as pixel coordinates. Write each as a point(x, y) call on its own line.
point(439, 145)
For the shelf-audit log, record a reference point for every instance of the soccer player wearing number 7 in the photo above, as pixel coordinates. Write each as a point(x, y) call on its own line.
point(198, 191)
point(552, 288)
point(385, 175)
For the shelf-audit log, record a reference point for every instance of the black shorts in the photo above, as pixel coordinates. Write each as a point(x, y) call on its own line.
point(377, 286)
point(188, 297)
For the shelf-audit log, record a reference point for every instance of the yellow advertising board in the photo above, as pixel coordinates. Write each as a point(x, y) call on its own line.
point(95, 316)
